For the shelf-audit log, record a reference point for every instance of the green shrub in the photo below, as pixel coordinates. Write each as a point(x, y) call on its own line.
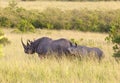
point(25, 26)
point(114, 36)
point(54, 18)
point(4, 21)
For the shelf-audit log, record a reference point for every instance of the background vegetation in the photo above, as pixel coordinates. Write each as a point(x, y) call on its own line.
point(114, 36)
point(54, 18)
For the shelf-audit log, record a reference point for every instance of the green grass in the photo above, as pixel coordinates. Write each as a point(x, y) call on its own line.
point(18, 67)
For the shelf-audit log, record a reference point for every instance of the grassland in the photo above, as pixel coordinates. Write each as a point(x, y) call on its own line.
point(18, 67)
point(41, 5)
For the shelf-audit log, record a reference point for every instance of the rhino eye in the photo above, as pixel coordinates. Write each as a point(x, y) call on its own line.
point(72, 49)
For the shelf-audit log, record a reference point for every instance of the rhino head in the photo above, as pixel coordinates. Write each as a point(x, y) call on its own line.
point(29, 47)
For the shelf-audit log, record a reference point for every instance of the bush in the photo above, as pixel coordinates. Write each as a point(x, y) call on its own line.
point(25, 26)
point(114, 36)
point(83, 20)
point(16, 17)
point(4, 21)
point(54, 18)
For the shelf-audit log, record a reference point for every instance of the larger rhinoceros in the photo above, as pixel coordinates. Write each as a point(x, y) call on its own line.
point(45, 45)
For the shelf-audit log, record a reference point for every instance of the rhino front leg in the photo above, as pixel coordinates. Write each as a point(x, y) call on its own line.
point(41, 56)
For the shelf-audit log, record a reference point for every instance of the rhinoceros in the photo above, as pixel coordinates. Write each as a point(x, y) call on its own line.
point(45, 45)
point(82, 51)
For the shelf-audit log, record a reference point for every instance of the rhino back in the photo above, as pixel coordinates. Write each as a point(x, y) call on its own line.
point(60, 45)
point(42, 45)
point(97, 50)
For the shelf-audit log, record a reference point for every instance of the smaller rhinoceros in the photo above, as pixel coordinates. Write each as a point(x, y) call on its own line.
point(82, 51)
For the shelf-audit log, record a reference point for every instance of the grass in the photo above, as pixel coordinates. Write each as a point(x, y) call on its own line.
point(41, 5)
point(18, 67)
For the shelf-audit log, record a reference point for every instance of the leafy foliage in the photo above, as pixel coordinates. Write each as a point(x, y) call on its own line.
point(16, 17)
point(54, 18)
point(25, 26)
point(114, 36)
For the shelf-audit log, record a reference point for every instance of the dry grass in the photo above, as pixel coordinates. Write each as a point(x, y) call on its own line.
point(18, 67)
point(41, 5)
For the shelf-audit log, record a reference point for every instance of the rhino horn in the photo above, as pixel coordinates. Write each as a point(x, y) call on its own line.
point(23, 44)
point(28, 42)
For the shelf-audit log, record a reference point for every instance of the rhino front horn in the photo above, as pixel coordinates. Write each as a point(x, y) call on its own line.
point(23, 44)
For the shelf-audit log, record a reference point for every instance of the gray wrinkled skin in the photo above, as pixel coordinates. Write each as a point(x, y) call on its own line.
point(35, 46)
point(45, 45)
point(85, 51)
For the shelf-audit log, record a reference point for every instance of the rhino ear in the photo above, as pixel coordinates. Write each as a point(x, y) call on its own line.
point(28, 42)
point(23, 44)
point(76, 44)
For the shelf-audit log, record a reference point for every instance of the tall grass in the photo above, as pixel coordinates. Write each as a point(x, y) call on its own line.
point(18, 67)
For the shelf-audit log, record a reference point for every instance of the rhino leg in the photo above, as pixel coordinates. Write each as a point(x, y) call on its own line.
point(41, 56)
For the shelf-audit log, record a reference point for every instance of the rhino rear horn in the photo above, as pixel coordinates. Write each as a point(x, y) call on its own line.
point(28, 42)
